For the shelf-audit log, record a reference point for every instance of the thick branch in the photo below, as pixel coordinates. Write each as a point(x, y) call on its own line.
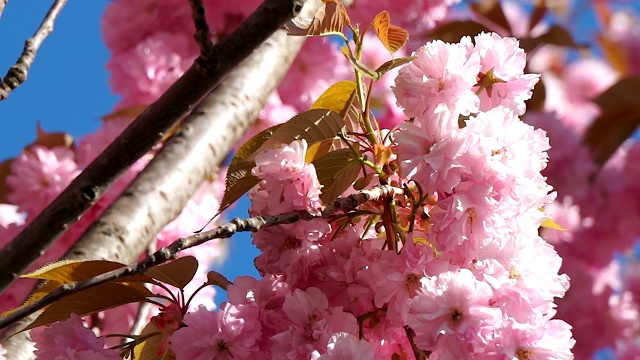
point(163, 188)
point(3, 3)
point(18, 72)
point(147, 130)
point(236, 225)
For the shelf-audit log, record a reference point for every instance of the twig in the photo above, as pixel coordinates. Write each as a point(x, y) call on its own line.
point(146, 130)
point(236, 225)
point(18, 72)
point(202, 30)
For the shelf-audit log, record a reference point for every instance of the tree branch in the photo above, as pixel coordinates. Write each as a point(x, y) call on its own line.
point(146, 130)
point(202, 29)
point(203, 141)
point(18, 72)
point(236, 225)
point(3, 3)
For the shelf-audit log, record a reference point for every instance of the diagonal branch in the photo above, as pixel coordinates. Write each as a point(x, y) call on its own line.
point(236, 225)
point(203, 141)
point(146, 130)
point(18, 72)
point(3, 3)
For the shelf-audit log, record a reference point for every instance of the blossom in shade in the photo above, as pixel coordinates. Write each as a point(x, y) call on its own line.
point(230, 333)
point(70, 339)
point(345, 346)
point(147, 70)
point(287, 182)
point(311, 324)
point(38, 175)
point(318, 66)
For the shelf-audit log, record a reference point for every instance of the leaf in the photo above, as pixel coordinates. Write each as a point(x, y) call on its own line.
point(217, 279)
point(129, 112)
point(336, 172)
point(537, 14)
point(392, 37)
point(359, 65)
point(177, 273)
point(323, 147)
point(536, 103)
point(5, 170)
point(336, 97)
point(342, 98)
point(393, 63)
point(93, 300)
point(313, 126)
point(147, 348)
point(53, 139)
point(620, 117)
point(556, 35)
point(330, 18)
point(70, 271)
point(492, 11)
point(550, 224)
point(453, 31)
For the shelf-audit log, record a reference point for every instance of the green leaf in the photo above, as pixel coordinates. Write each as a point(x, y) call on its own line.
point(392, 64)
point(177, 273)
point(330, 19)
point(93, 300)
point(313, 126)
point(336, 97)
point(336, 172)
point(620, 117)
point(321, 148)
point(360, 66)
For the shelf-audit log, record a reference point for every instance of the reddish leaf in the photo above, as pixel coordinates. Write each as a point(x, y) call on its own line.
point(177, 273)
point(492, 11)
point(336, 171)
point(620, 117)
point(556, 35)
point(392, 37)
point(70, 271)
point(53, 139)
point(453, 31)
point(5, 170)
point(217, 279)
point(91, 301)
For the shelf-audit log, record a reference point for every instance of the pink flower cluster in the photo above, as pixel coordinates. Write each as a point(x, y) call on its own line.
point(472, 278)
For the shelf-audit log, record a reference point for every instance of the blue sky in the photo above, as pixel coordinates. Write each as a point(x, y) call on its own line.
point(67, 89)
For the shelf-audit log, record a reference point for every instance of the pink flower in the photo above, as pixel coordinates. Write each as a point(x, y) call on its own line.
point(345, 346)
point(312, 323)
point(70, 340)
point(144, 72)
point(318, 66)
point(290, 249)
point(501, 75)
point(126, 24)
point(3, 352)
point(38, 175)
point(9, 215)
point(551, 340)
point(287, 182)
point(231, 334)
point(451, 310)
point(441, 76)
